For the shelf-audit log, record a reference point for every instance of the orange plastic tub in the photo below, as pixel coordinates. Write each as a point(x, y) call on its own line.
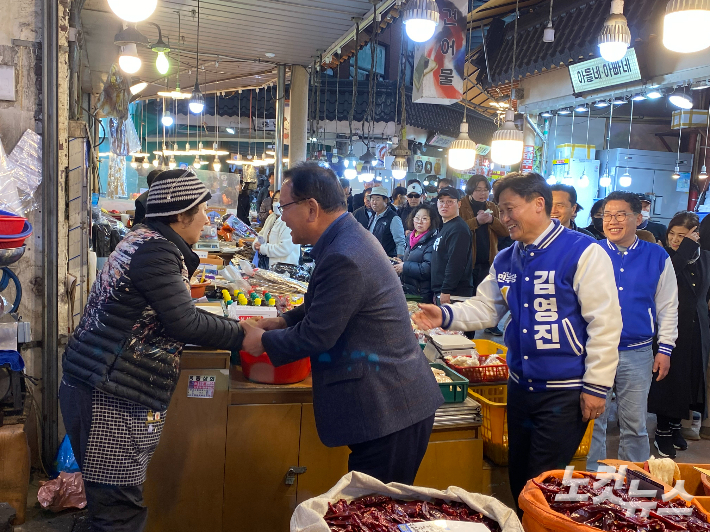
point(260, 369)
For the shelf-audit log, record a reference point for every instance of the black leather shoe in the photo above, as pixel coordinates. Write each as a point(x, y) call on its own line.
point(495, 331)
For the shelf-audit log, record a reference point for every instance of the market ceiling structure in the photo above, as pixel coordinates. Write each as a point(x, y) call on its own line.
point(235, 37)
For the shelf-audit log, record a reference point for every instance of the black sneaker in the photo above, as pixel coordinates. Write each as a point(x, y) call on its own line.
point(664, 444)
point(495, 331)
point(678, 440)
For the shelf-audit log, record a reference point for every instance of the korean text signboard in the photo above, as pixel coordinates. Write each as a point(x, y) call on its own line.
point(599, 73)
point(439, 63)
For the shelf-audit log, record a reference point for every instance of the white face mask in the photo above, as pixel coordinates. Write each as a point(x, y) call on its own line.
point(645, 215)
point(276, 207)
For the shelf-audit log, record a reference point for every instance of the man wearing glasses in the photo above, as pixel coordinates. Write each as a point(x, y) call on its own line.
point(452, 260)
point(648, 295)
point(564, 331)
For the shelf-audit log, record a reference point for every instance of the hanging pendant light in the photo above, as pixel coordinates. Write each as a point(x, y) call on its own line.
point(462, 152)
point(138, 86)
point(605, 180)
point(197, 162)
point(197, 100)
point(548, 34)
point(551, 180)
point(507, 144)
point(162, 64)
point(681, 99)
point(216, 164)
point(615, 36)
point(133, 10)
point(172, 164)
point(583, 180)
point(420, 19)
point(134, 162)
point(625, 179)
point(703, 173)
point(167, 118)
point(685, 26)
point(129, 61)
point(334, 158)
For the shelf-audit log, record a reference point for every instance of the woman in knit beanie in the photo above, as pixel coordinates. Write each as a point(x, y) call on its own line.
point(122, 362)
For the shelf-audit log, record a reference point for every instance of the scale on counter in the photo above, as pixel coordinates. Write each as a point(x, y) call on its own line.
point(206, 245)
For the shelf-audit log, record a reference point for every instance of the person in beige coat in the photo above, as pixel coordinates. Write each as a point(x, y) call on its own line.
point(483, 219)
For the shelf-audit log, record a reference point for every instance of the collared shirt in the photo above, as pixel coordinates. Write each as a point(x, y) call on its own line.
point(541, 237)
point(318, 246)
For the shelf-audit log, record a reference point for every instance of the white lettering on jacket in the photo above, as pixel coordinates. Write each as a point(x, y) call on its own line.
point(546, 336)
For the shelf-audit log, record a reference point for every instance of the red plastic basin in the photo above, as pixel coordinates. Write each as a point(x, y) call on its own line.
point(260, 369)
point(11, 225)
point(12, 242)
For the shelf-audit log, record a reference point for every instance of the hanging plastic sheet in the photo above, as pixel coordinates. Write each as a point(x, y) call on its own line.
point(9, 196)
point(116, 176)
point(27, 158)
point(124, 139)
point(115, 96)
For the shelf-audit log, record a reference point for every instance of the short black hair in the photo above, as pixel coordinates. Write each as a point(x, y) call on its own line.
point(444, 180)
point(571, 191)
point(152, 175)
point(310, 180)
point(598, 206)
point(399, 191)
point(367, 188)
point(629, 197)
point(529, 186)
point(344, 183)
point(433, 216)
point(473, 182)
point(410, 181)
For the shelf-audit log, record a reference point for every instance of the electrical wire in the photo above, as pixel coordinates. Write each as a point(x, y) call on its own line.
point(354, 98)
point(631, 121)
point(515, 49)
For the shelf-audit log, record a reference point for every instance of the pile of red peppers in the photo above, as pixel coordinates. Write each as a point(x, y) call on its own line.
point(377, 513)
point(612, 517)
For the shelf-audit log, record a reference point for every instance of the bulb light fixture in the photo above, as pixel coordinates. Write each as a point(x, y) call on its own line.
point(615, 37)
point(552, 180)
point(462, 152)
point(507, 144)
point(625, 180)
point(565, 111)
point(420, 19)
point(138, 87)
point(167, 119)
point(676, 171)
point(600, 104)
point(133, 10)
point(605, 180)
point(685, 26)
point(546, 114)
point(638, 97)
point(680, 99)
point(172, 164)
point(581, 108)
point(654, 94)
point(129, 61)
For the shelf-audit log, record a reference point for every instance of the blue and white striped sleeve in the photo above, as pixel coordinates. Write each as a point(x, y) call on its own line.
point(667, 309)
point(483, 310)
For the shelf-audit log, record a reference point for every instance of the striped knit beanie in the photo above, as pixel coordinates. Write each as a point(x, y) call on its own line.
point(175, 191)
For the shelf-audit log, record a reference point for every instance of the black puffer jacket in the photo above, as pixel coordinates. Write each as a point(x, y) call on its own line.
point(416, 270)
point(139, 316)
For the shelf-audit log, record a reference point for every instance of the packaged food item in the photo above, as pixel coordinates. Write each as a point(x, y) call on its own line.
point(440, 375)
point(463, 361)
point(492, 360)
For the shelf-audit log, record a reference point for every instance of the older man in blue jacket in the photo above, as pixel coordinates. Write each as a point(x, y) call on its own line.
point(373, 389)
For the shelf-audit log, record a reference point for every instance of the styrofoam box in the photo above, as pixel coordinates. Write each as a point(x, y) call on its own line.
point(243, 312)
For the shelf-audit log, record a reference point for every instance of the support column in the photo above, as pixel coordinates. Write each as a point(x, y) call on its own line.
point(298, 134)
point(279, 134)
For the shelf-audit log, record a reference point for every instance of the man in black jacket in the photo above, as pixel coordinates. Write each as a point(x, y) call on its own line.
point(364, 214)
point(373, 389)
point(385, 225)
point(142, 200)
point(658, 229)
point(264, 191)
point(452, 260)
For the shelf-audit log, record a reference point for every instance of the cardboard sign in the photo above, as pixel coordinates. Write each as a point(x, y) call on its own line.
point(599, 73)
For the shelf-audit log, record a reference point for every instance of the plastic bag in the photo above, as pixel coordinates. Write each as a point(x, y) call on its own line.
point(308, 516)
point(66, 462)
point(9, 196)
point(65, 491)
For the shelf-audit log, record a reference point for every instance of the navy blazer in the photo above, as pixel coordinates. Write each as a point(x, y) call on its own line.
point(370, 377)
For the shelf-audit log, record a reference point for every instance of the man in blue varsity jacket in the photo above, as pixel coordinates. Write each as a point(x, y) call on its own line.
point(564, 333)
point(648, 294)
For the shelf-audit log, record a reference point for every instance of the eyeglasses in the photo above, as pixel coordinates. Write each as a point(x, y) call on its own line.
point(291, 203)
point(448, 203)
point(619, 216)
point(414, 196)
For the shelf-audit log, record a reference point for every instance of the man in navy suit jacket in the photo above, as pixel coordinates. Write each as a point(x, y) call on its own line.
point(373, 389)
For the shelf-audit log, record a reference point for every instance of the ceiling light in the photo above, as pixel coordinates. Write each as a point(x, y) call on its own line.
point(680, 99)
point(618, 101)
point(197, 101)
point(685, 25)
point(333, 158)
point(230, 130)
point(129, 61)
point(546, 114)
point(583, 181)
point(134, 163)
point(615, 36)
point(367, 174)
point(699, 85)
point(581, 108)
point(638, 97)
point(565, 111)
point(703, 173)
point(146, 163)
point(138, 87)
point(197, 163)
point(568, 179)
point(162, 63)
point(167, 119)
point(548, 34)
point(654, 94)
point(507, 144)
point(551, 180)
point(462, 152)
point(172, 164)
point(130, 35)
point(420, 19)
point(601, 103)
point(605, 180)
point(625, 180)
point(426, 183)
point(270, 54)
point(156, 161)
point(216, 165)
point(350, 173)
point(676, 172)
point(133, 10)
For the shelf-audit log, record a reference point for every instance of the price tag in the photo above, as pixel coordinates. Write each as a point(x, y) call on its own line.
point(201, 386)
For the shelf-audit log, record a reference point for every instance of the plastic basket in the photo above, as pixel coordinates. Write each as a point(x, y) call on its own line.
point(493, 373)
point(11, 225)
point(260, 369)
point(455, 391)
point(494, 430)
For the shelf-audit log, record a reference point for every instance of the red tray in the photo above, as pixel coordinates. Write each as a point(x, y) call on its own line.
point(260, 369)
point(493, 373)
point(11, 225)
point(12, 242)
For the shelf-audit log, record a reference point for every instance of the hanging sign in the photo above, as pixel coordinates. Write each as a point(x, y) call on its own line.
point(528, 158)
point(439, 63)
point(599, 73)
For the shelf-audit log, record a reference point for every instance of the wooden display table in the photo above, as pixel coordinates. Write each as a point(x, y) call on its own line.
point(244, 459)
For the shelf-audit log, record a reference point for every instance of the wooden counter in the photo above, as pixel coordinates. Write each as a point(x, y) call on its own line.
point(222, 463)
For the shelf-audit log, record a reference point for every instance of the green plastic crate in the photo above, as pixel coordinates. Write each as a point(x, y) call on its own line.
point(455, 391)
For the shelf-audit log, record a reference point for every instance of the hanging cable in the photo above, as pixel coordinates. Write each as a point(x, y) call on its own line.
point(515, 49)
point(466, 78)
point(318, 87)
point(355, 73)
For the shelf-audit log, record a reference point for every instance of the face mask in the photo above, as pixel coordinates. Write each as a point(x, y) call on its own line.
point(598, 224)
point(645, 215)
point(276, 207)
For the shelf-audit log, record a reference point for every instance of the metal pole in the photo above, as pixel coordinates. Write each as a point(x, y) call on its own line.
point(50, 204)
point(280, 102)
